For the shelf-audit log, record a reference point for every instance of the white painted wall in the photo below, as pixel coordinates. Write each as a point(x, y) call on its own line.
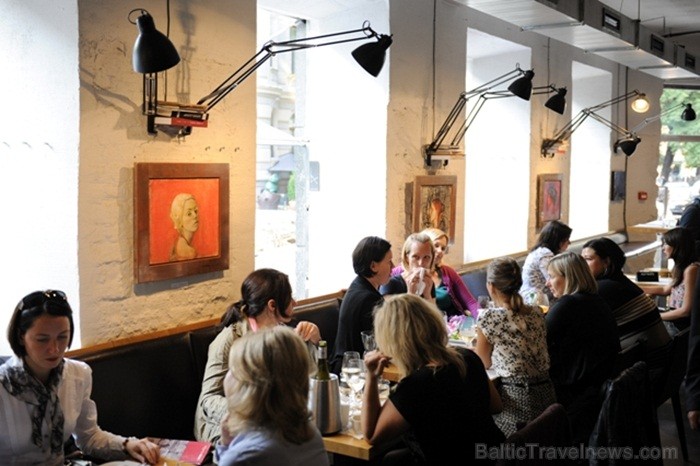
point(79, 236)
point(214, 38)
point(39, 152)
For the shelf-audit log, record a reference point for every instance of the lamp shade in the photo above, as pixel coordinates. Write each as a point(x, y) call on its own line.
point(688, 113)
point(522, 87)
point(628, 145)
point(153, 51)
point(640, 104)
point(371, 56)
point(557, 102)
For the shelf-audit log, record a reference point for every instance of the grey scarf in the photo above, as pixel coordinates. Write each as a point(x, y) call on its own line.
point(20, 383)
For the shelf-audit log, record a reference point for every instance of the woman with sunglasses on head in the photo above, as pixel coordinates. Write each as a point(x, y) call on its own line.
point(266, 301)
point(45, 398)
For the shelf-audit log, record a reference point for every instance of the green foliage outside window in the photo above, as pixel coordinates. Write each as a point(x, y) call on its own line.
point(672, 124)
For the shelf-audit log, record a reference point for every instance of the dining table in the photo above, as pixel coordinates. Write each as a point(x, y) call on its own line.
point(343, 443)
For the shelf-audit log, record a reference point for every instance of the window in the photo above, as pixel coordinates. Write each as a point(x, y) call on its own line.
point(497, 148)
point(679, 154)
point(590, 153)
point(334, 115)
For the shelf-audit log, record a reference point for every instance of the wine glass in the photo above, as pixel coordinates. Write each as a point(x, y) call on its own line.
point(467, 331)
point(353, 369)
point(484, 302)
point(368, 341)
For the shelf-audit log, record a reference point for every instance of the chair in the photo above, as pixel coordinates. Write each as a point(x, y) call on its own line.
point(670, 382)
point(549, 429)
point(628, 356)
point(627, 418)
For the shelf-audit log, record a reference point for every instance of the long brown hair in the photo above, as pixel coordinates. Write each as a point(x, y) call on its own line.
point(504, 275)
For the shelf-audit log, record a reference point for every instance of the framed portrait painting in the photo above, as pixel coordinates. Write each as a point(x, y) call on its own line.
point(549, 189)
point(434, 203)
point(181, 219)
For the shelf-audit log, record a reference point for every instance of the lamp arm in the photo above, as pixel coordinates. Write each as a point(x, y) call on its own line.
point(448, 124)
point(609, 123)
point(616, 100)
point(654, 118)
point(568, 129)
point(235, 79)
point(471, 116)
point(459, 106)
point(269, 50)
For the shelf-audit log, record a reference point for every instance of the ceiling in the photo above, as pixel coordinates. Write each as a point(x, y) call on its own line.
point(668, 18)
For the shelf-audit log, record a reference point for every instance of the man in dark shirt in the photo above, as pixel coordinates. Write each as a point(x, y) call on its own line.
point(690, 219)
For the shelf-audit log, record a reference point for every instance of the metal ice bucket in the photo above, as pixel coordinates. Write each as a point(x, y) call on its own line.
point(324, 404)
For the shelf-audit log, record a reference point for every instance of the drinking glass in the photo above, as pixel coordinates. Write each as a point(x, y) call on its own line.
point(467, 331)
point(353, 369)
point(484, 302)
point(368, 341)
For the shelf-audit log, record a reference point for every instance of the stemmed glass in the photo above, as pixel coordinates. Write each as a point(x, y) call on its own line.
point(368, 341)
point(353, 370)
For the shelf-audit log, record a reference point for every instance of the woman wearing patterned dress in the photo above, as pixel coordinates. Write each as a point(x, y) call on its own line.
point(678, 244)
point(511, 339)
point(553, 239)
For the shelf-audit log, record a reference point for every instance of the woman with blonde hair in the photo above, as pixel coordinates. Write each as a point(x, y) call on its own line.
point(267, 390)
point(444, 398)
point(511, 338)
point(582, 340)
point(415, 276)
point(451, 294)
point(266, 301)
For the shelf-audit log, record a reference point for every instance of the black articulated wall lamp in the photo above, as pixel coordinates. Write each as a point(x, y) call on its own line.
point(640, 104)
point(154, 52)
point(628, 143)
point(520, 87)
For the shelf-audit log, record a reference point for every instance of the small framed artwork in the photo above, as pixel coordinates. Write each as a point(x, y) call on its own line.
point(549, 189)
point(181, 219)
point(434, 203)
point(617, 186)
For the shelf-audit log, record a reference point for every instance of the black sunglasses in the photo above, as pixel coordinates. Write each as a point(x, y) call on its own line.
point(38, 298)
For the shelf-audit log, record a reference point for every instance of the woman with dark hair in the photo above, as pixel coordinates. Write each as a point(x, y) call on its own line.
point(636, 313)
point(511, 339)
point(45, 398)
point(372, 262)
point(553, 239)
point(582, 341)
point(266, 301)
point(678, 244)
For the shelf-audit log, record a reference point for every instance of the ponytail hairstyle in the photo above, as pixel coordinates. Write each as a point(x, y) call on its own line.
point(257, 290)
point(504, 275)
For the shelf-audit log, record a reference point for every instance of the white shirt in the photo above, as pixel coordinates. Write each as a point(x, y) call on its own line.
point(16, 446)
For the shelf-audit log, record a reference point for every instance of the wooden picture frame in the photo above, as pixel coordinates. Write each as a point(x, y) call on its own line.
point(435, 203)
point(617, 186)
point(549, 195)
point(181, 219)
